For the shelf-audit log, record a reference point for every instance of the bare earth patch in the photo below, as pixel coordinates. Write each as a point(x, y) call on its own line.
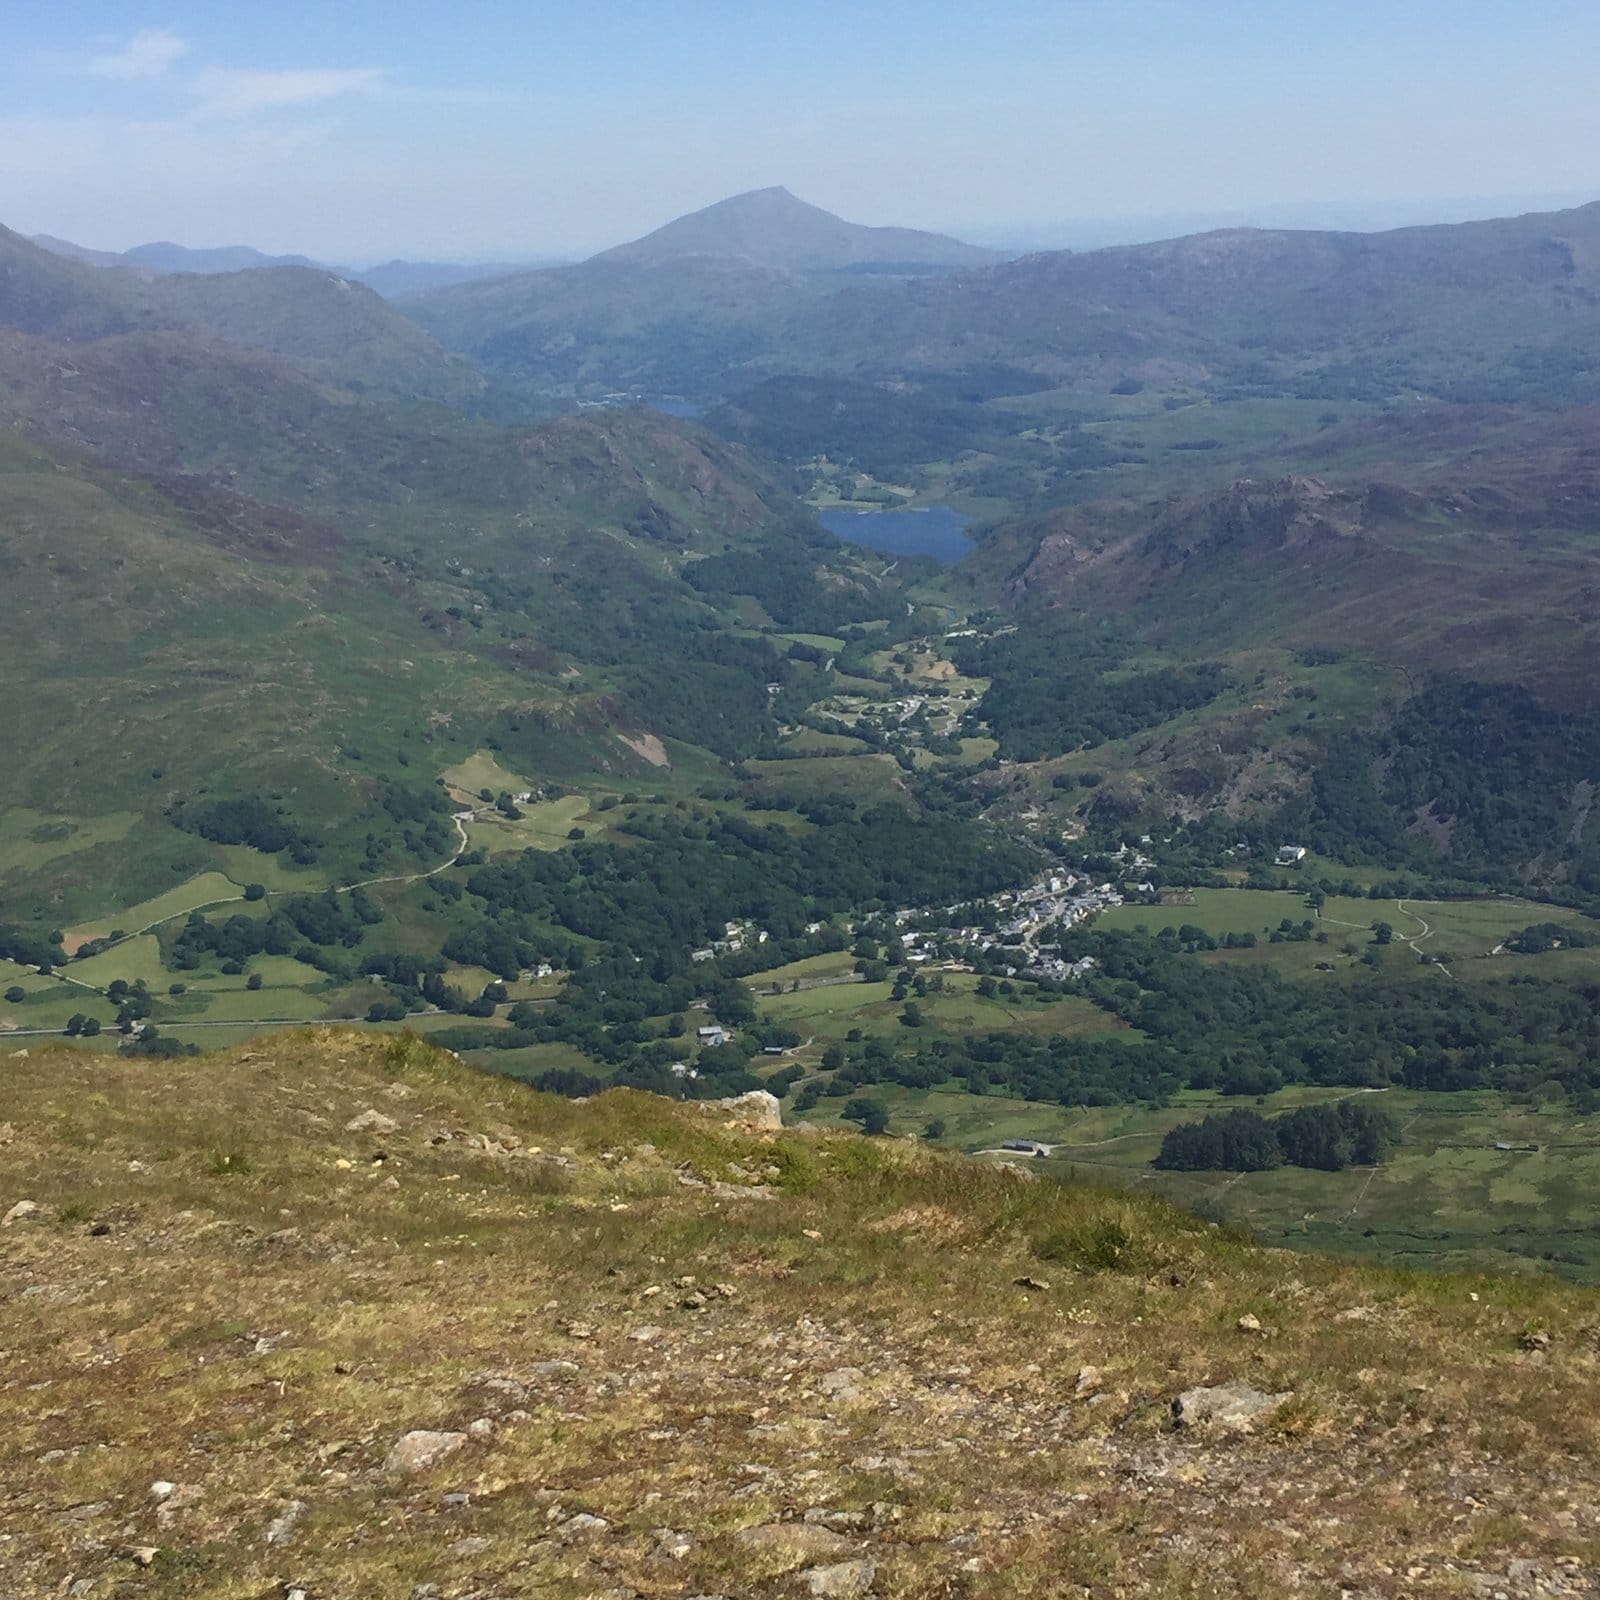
point(648, 747)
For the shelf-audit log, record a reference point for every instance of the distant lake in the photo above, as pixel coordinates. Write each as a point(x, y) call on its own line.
point(935, 531)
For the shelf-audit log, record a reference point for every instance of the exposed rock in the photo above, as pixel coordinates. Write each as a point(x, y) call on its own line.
point(557, 1371)
point(792, 1544)
point(370, 1121)
point(584, 1522)
point(742, 1191)
point(647, 1333)
point(843, 1383)
point(281, 1529)
point(837, 1519)
point(671, 1545)
point(1249, 1323)
point(23, 1208)
point(480, 1429)
point(422, 1448)
point(1237, 1406)
point(466, 1549)
point(162, 1489)
point(1089, 1380)
point(1036, 1284)
point(506, 1388)
point(758, 1109)
point(841, 1580)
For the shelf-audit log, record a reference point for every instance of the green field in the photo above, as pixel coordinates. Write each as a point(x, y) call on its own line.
point(807, 970)
point(482, 771)
point(1465, 932)
point(32, 839)
point(828, 1014)
point(1446, 1198)
point(1217, 911)
point(207, 888)
point(544, 825)
point(131, 960)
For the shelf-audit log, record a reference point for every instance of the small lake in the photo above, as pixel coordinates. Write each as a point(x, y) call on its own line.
point(935, 531)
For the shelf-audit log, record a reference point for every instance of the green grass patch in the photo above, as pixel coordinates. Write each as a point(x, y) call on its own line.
point(206, 888)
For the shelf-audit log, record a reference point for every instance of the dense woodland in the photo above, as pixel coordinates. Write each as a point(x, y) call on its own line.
point(1328, 1137)
point(1499, 772)
point(1248, 1031)
point(1060, 687)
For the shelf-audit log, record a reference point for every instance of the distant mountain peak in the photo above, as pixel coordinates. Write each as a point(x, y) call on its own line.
point(774, 228)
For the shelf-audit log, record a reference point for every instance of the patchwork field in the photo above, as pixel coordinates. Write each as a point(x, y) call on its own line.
point(1447, 1197)
point(205, 889)
point(1464, 934)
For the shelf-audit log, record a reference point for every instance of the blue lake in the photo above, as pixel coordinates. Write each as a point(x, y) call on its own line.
point(936, 531)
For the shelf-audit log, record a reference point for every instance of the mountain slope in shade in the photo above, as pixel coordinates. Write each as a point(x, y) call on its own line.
point(771, 228)
point(1475, 568)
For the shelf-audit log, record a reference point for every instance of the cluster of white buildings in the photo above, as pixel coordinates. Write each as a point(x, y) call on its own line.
point(1059, 901)
point(736, 936)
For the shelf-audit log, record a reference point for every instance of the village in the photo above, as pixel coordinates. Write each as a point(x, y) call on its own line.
point(1024, 924)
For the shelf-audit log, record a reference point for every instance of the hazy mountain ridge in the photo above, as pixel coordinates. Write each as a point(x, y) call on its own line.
point(392, 279)
point(771, 228)
point(711, 293)
point(337, 330)
point(1494, 309)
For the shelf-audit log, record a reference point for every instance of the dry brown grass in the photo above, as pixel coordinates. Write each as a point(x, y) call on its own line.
point(226, 1290)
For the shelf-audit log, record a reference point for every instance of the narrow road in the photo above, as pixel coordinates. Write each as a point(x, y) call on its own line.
point(235, 899)
point(1427, 933)
point(1414, 942)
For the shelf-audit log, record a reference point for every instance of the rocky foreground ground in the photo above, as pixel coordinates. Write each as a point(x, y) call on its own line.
point(335, 1317)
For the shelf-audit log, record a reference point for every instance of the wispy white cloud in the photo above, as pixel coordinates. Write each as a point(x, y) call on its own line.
point(238, 92)
point(148, 54)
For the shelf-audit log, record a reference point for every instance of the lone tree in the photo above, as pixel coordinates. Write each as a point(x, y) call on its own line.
point(871, 1114)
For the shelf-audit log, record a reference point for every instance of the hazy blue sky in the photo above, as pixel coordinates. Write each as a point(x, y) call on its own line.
point(361, 128)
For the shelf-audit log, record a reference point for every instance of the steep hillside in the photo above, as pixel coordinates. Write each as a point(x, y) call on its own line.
point(1495, 573)
point(771, 228)
point(301, 596)
point(381, 1323)
point(673, 327)
point(326, 325)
